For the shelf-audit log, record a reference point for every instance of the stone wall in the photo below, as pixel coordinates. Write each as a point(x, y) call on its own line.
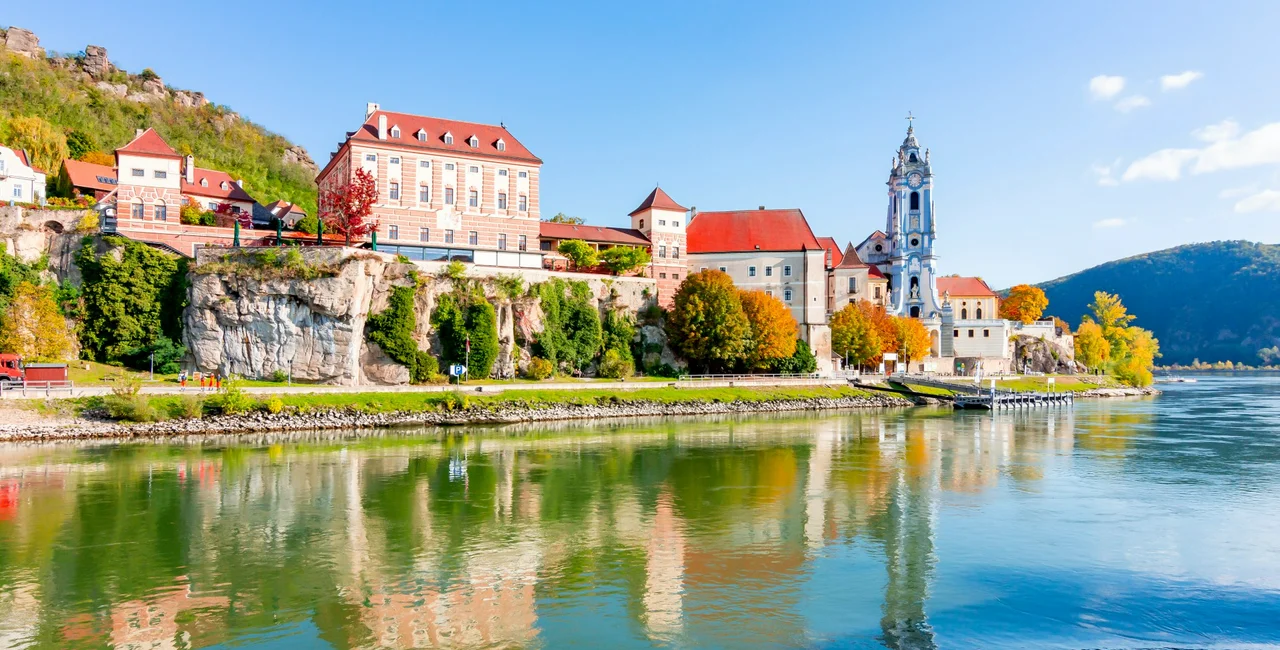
point(28, 234)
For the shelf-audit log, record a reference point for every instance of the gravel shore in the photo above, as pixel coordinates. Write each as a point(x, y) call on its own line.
point(71, 429)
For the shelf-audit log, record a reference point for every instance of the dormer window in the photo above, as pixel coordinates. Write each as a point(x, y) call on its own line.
point(224, 185)
point(204, 182)
point(422, 135)
point(474, 142)
point(501, 145)
point(448, 138)
point(395, 132)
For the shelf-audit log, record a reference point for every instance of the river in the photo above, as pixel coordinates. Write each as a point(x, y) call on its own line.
point(1133, 523)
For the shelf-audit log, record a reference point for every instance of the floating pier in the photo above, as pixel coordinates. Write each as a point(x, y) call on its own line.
point(997, 400)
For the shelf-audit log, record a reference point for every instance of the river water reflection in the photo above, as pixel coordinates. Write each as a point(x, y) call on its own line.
point(1135, 523)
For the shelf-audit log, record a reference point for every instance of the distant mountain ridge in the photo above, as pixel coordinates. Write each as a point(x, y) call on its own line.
point(1216, 301)
point(98, 107)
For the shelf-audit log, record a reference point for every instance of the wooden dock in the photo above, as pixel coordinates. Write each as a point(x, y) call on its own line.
point(993, 400)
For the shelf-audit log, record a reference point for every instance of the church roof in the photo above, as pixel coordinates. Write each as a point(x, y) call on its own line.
point(659, 200)
point(742, 231)
point(965, 287)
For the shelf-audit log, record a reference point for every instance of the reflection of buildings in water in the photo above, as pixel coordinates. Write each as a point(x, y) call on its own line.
point(664, 573)
point(21, 605)
point(154, 623)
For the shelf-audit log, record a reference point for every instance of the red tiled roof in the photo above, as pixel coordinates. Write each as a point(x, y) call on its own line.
point(851, 259)
point(285, 207)
point(874, 271)
point(435, 128)
point(214, 190)
point(955, 286)
point(741, 231)
point(149, 144)
point(832, 247)
point(89, 175)
point(659, 200)
point(599, 234)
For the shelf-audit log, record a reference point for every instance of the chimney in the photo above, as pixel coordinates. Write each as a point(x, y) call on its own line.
point(190, 172)
point(240, 183)
point(138, 132)
point(762, 207)
point(382, 127)
point(693, 212)
point(370, 109)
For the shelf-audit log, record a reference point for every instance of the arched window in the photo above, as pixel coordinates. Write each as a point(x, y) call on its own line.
point(964, 314)
point(978, 313)
point(642, 224)
point(914, 158)
point(160, 211)
point(915, 312)
point(915, 200)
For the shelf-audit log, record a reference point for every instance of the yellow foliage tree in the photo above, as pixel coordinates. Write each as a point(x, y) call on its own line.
point(46, 145)
point(1135, 368)
point(854, 336)
point(98, 158)
point(886, 330)
point(773, 328)
point(1113, 317)
point(912, 339)
point(1025, 303)
point(33, 328)
point(1091, 348)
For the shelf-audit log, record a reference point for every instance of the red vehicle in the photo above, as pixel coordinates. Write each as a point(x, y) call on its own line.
point(13, 370)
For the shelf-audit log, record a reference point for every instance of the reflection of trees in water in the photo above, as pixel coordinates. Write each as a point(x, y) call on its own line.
point(392, 541)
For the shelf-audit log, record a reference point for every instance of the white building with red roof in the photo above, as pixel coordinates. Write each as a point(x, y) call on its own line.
point(447, 189)
point(853, 281)
point(20, 180)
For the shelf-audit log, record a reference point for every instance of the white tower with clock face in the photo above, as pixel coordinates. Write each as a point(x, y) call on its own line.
point(911, 263)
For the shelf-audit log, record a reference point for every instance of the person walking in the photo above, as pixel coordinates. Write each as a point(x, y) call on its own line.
point(182, 380)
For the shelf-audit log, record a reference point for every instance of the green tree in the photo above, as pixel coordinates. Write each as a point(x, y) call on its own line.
point(461, 317)
point(80, 143)
point(619, 333)
point(572, 333)
point(133, 294)
point(563, 218)
point(853, 336)
point(46, 145)
point(392, 329)
point(579, 252)
point(33, 328)
point(706, 324)
point(624, 259)
point(167, 356)
point(802, 361)
point(482, 324)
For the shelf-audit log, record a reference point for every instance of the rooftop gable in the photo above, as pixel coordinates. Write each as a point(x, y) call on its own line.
point(657, 200)
point(149, 143)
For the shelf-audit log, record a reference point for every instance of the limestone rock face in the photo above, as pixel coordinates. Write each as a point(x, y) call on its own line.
point(22, 42)
point(296, 155)
point(95, 61)
point(119, 90)
point(1032, 354)
point(189, 99)
point(377, 368)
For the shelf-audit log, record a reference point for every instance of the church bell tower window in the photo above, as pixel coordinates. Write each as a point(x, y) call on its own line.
point(915, 200)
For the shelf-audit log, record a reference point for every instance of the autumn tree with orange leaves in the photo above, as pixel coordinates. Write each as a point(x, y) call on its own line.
point(1025, 303)
point(911, 340)
point(773, 329)
point(347, 210)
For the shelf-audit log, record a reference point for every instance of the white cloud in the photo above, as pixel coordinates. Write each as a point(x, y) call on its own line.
point(1224, 130)
point(1132, 102)
point(1104, 174)
point(1108, 223)
point(1105, 86)
point(1226, 150)
point(1179, 81)
point(1264, 201)
point(1237, 192)
point(1163, 165)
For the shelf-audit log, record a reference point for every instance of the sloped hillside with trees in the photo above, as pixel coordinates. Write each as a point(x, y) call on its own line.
point(1217, 301)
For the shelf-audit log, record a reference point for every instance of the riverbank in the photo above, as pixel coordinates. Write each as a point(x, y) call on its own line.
point(85, 418)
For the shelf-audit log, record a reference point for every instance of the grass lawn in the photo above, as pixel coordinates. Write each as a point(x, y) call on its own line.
point(85, 373)
point(1062, 383)
point(924, 390)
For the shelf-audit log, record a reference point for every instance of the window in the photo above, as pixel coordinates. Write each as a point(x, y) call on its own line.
point(224, 185)
point(786, 295)
point(879, 248)
point(751, 271)
point(853, 285)
point(473, 169)
point(662, 222)
point(786, 271)
point(915, 241)
point(395, 191)
point(162, 212)
point(970, 333)
point(956, 333)
point(424, 164)
point(675, 276)
point(662, 250)
point(877, 292)
point(524, 203)
point(502, 172)
point(768, 292)
point(502, 241)
point(768, 271)
point(978, 313)
point(724, 270)
point(448, 196)
point(422, 136)
point(204, 182)
point(524, 243)
point(371, 157)
point(17, 191)
point(448, 167)
point(393, 232)
point(473, 238)
point(642, 224)
point(964, 314)
point(915, 200)
point(395, 131)
point(1, 165)
point(138, 211)
point(395, 160)
point(675, 223)
point(914, 158)
point(502, 146)
point(161, 173)
point(424, 234)
point(523, 175)
point(473, 141)
point(546, 245)
point(212, 205)
point(675, 252)
point(424, 193)
point(662, 276)
point(986, 334)
point(448, 236)
point(448, 138)
point(502, 200)
point(473, 199)
point(138, 172)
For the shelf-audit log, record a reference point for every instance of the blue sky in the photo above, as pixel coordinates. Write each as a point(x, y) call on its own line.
point(1055, 143)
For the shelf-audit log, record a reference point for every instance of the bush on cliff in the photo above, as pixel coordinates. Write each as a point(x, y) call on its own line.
point(539, 369)
point(614, 366)
point(133, 295)
point(619, 334)
point(571, 333)
point(392, 329)
point(460, 317)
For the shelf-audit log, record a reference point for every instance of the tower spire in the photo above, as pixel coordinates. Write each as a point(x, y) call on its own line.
point(910, 123)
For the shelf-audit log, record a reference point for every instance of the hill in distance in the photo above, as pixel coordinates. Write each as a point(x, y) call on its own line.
point(97, 107)
point(1218, 301)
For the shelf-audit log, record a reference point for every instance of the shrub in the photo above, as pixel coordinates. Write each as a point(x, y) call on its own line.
point(279, 376)
point(274, 405)
point(454, 401)
point(458, 316)
point(189, 406)
point(666, 370)
point(454, 270)
point(392, 329)
point(168, 356)
point(231, 401)
point(571, 332)
point(539, 369)
point(614, 366)
point(132, 408)
point(89, 222)
point(403, 259)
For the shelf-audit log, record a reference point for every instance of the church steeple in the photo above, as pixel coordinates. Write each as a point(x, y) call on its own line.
point(910, 229)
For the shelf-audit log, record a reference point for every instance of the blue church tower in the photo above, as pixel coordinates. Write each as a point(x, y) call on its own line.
point(909, 228)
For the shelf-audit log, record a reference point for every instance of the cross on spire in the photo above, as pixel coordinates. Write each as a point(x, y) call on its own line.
point(910, 121)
